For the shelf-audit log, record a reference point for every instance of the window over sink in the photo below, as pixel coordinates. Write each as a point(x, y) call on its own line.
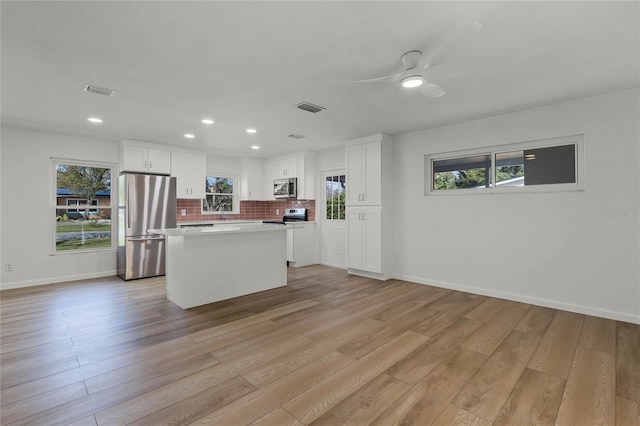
point(221, 195)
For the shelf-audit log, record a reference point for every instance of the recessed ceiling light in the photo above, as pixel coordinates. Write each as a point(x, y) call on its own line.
point(412, 81)
point(189, 135)
point(251, 130)
point(207, 121)
point(94, 119)
point(255, 147)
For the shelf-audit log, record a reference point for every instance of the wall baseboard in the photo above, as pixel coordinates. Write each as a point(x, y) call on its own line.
point(55, 280)
point(580, 309)
point(375, 276)
point(331, 265)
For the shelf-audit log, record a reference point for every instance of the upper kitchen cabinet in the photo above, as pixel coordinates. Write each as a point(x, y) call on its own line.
point(368, 162)
point(190, 171)
point(301, 166)
point(251, 181)
point(286, 168)
point(143, 157)
point(268, 175)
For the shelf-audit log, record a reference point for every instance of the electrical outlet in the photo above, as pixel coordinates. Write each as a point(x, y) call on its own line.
point(183, 212)
point(396, 259)
point(277, 211)
point(8, 267)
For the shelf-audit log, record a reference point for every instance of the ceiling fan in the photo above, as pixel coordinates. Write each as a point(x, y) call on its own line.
point(415, 63)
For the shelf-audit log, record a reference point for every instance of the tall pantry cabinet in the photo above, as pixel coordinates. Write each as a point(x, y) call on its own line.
point(368, 206)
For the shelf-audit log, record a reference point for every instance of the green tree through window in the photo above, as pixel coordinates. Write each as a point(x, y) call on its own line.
point(335, 196)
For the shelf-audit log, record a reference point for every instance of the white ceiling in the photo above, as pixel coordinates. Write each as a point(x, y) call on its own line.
point(248, 63)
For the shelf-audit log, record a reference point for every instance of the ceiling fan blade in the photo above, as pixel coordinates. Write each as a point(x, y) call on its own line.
point(431, 90)
point(386, 78)
point(454, 46)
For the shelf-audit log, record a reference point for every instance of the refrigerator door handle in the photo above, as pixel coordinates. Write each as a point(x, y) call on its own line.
point(127, 209)
point(147, 239)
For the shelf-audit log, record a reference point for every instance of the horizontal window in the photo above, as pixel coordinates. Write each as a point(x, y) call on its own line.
point(463, 172)
point(547, 165)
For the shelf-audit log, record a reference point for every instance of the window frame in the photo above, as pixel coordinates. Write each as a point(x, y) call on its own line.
point(326, 201)
point(578, 185)
point(235, 195)
point(54, 206)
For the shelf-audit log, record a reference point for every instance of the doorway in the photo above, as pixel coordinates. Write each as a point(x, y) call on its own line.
point(332, 214)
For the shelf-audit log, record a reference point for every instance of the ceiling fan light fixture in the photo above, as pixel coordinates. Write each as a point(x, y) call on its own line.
point(412, 81)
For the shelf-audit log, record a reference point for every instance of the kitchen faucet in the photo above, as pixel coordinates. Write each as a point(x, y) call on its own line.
point(222, 206)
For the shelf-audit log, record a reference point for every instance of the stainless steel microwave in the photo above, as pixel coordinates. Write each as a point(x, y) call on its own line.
point(285, 188)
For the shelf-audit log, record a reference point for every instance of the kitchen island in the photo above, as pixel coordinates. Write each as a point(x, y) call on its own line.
point(209, 264)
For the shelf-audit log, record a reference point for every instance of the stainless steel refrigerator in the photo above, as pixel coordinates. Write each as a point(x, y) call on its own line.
point(144, 202)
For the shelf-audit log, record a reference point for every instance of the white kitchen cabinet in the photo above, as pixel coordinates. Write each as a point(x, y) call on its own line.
point(369, 197)
point(364, 239)
point(268, 175)
point(364, 168)
point(144, 158)
point(286, 168)
point(301, 166)
point(301, 245)
point(190, 171)
point(251, 180)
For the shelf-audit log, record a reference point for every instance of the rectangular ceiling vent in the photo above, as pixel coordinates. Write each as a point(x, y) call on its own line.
point(296, 136)
point(98, 90)
point(310, 107)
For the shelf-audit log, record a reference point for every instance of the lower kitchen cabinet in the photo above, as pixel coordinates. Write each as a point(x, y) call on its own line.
point(364, 239)
point(301, 245)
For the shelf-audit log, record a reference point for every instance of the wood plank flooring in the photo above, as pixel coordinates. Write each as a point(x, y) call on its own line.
point(328, 349)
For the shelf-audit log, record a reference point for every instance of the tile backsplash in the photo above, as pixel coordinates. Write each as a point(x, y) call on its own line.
point(248, 210)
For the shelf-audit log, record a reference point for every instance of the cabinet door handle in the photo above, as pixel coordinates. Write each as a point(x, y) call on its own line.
point(146, 165)
point(363, 198)
point(150, 165)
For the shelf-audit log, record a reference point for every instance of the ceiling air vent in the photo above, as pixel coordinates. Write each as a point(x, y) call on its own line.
point(98, 90)
point(296, 136)
point(310, 107)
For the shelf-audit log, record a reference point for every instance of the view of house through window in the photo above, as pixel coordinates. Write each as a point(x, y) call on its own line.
point(517, 166)
point(464, 172)
point(83, 207)
point(220, 195)
point(335, 207)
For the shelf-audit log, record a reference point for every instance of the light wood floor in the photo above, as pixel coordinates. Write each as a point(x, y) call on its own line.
point(328, 349)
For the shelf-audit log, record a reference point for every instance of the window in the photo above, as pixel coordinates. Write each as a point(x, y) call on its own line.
point(82, 206)
point(463, 172)
point(547, 165)
point(335, 196)
point(220, 195)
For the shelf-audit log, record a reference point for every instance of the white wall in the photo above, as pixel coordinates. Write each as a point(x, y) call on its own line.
point(26, 216)
point(330, 159)
point(217, 164)
point(555, 249)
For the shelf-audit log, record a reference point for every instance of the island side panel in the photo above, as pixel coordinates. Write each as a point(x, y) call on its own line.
point(225, 265)
point(175, 270)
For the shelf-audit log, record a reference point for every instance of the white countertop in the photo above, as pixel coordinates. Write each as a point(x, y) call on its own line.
point(233, 221)
point(219, 222)
point(225, 228)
